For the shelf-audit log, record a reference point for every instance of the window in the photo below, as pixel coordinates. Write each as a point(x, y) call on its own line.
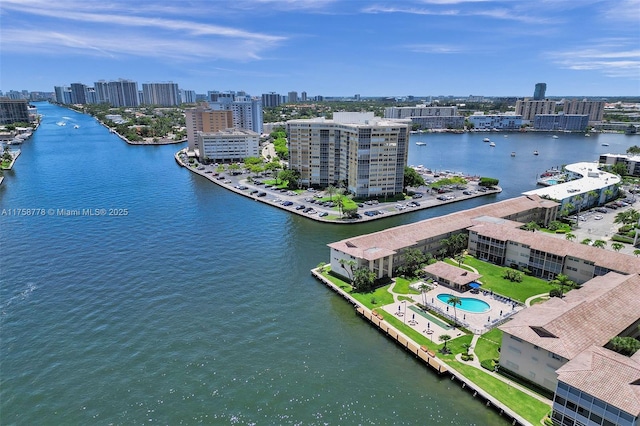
point(595, 418)
point(560, 400)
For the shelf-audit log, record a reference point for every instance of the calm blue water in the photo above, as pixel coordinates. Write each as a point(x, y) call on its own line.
point(198, 305)
point(469, 304)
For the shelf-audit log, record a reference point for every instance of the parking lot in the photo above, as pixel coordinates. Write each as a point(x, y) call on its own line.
point(313, 204)
point(598, 224)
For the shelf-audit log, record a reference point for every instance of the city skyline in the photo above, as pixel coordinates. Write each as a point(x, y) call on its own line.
point(328, 47)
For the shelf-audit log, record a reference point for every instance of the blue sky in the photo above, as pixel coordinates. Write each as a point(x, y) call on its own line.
point(327, 47)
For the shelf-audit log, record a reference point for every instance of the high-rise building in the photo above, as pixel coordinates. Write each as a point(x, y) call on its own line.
point(540, 91)
point(162, 94)
point(63, 94)
point(247, 111)
point(271, 99)
point(102, 91)
point(78, 93)
point(365, 153)
point(187, 96)
point(123, 93)
point(528, 109)
point(202, 119)
point(594, 109)
point(304, 96)
point(292, 97)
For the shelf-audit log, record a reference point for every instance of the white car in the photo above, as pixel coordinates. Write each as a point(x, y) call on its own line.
point(597, 217)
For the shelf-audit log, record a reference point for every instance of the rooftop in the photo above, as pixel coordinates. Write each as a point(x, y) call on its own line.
point(592, 180)
point(389, 241)
point(591, 315)
point(606, 375)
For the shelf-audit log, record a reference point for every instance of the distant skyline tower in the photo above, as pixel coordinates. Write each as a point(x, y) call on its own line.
point(540, 91)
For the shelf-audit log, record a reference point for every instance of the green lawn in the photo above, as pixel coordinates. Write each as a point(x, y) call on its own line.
point(488, 344)
point(492, 280)
point(402, 286)
point(528, 407)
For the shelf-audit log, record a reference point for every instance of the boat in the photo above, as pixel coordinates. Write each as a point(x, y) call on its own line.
point(486, 140)
point(76, 126)
point(555, 137)
point(492, 144)
point(605, 144)
point(513, 153)
point(587, 134)
point(61, 123)
point(535, 152)
point(421, 143)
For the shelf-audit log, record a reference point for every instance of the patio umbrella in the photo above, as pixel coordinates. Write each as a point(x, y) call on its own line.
point(474, 285)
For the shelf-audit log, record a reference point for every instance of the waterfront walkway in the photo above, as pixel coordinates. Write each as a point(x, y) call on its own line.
point(275, 197)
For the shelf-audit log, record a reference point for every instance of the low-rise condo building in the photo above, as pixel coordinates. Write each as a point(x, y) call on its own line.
point(561, 345)
point(631, 162)
point(588, 186)
point(228, 145)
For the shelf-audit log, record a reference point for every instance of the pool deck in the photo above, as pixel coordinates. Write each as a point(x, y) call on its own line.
point(499, 310)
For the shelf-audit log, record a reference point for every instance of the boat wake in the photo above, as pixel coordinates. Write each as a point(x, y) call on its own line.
point(23, 295)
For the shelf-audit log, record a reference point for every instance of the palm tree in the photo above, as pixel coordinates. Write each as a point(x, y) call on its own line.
point(350, 263)
point(340, 204)
point(331, 190)
point(569, 236)
point(531, 226)
point(563, 281)
point(586, 241)
point(617, 246)
point(578, 199)
point(636, 252)
point(592, 194)
point(444, 338)
point(423, 289)
point(607, 194)
point(600, 243)
point(453, 301)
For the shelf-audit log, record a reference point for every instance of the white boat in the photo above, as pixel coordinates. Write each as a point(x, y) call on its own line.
point(587, 134)
point(492, 144)
point(513, 153)
point(61, 123)
point(486, 140)
point(421, 143)
point(535, 152)
point(555, 137)
point(605, 144)
point(76, 126)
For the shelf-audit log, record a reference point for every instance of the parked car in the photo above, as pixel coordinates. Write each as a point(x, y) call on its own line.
point(262, 194)
point(287, 203)
point(323, 214)
point(301, 207)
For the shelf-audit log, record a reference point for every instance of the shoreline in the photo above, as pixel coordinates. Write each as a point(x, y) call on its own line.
point(422, 353)
point(274, 199)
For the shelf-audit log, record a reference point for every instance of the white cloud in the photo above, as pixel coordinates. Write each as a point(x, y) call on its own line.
point(114, 29)
point(434, 48)
point(507, 14)
point(613, 58)
point(118, 45)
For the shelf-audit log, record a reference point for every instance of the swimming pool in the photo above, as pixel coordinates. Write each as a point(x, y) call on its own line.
point(469, 304)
